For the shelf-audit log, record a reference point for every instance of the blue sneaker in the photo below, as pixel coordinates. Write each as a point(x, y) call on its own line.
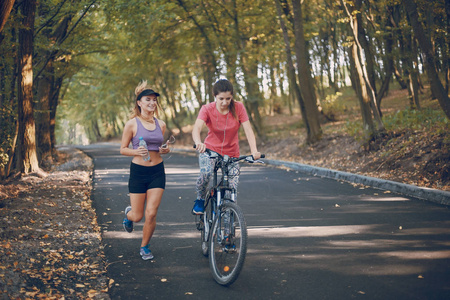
point(146, 254)
point(199, 207)
point(127, 224)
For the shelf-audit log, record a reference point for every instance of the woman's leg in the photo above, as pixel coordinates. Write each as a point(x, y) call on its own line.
point(154, 197)
point(233, 172)
point(137, 207)
point(206, 169)
point(206, 165)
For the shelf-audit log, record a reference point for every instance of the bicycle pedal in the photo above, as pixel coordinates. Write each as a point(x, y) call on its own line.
point(199, 225)
point(230, 249)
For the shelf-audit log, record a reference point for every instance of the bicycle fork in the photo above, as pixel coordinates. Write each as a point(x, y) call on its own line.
point(226, 235)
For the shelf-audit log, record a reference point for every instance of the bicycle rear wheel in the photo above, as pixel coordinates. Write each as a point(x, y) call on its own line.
point(228, 244)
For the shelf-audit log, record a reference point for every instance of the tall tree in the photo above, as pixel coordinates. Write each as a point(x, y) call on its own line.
point(5, 9)
point(367, 90)
point(304, 73)
point(291, 72)
point(437, 88)
point(27, 159)
point(47, 91)
point(388, 61)
point(359, 85)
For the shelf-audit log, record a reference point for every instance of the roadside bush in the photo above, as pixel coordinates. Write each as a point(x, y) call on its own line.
point(428, 119)
point(333, 106)
point(417, 120)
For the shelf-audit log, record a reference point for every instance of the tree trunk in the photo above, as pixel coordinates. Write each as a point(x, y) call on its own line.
point(195, 88)
point(96, 131)
point(292, 77)
point(388, 60)
point(250, 70)
point(274, 100)
point(5, 9)
point(365, 47)
point(361, 91)
point(210, 66)
point(368, 90)
point(305, 78)
point(11, 153)
point(48, 87)
point(410, 71)
point(54, 101)
point(430, 64)
point(170, 101)
point(42, 113)
point(447, 43)
point(27, 159)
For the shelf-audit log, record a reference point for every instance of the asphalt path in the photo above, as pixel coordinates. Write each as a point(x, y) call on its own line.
point(309, 237)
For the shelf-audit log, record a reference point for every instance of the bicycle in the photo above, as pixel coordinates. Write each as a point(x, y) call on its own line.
point(222, 226)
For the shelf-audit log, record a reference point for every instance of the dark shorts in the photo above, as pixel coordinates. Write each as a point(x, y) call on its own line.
point(143, 178)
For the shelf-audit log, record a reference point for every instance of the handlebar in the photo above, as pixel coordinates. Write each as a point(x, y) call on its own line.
point(248, 158)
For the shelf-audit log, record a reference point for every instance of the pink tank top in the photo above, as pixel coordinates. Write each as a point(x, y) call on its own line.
point(153, 138)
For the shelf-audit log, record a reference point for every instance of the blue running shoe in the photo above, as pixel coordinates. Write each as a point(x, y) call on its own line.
point(146, 254)
point(199, 207)
point(127, 224)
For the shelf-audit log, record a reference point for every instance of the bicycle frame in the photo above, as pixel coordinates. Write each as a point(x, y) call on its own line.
point(223, 227)
point(214, 194)
point(219, 187)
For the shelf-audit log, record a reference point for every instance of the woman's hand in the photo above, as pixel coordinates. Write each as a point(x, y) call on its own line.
point(200, 147)
point(256, 155)
point(142, 151)
point(164, 149)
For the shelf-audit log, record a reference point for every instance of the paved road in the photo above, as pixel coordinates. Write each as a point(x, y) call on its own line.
point(309, 238)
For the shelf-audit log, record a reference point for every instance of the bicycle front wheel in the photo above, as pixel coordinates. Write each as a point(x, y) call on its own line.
point(228, 244)
point(207, 223)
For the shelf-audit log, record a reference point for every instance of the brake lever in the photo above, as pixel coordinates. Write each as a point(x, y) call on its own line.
point(249, 159)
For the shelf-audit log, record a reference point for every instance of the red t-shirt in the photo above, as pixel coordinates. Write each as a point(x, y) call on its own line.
point(223, 130)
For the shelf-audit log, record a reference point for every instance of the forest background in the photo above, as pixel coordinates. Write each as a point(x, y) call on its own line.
point(359, 86)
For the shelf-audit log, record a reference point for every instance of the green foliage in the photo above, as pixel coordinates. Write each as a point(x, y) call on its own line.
point(333, 106)
point(355, 129)
point(121, 42)
point(424, 119)
point(428, 119)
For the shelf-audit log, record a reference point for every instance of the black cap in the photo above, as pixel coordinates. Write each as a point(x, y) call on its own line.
point(147, 92)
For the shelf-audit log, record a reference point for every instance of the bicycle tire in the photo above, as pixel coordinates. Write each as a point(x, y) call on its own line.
point(206, 230)
point(204, 236)
point(227, 255)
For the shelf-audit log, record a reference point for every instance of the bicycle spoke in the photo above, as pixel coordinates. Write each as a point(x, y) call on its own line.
point(228, 244)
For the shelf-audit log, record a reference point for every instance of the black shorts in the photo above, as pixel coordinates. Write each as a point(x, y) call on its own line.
point(143, 178)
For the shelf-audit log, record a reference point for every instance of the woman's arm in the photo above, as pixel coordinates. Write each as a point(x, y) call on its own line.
point(196, 135)
point(251, 139)
point(163, 126)
point(126, 138)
